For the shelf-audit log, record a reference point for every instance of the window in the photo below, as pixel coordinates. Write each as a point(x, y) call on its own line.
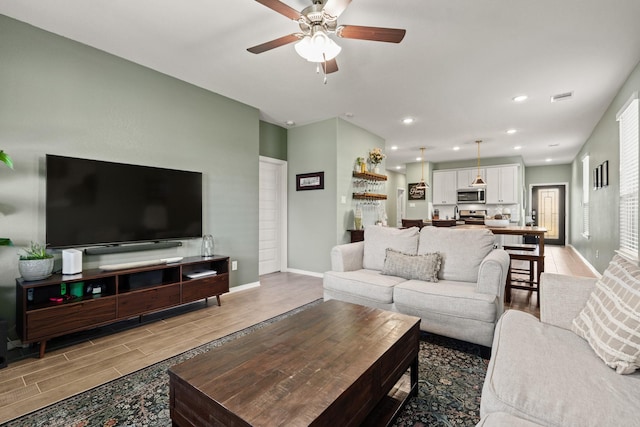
point(585, 196)
point(629, 141)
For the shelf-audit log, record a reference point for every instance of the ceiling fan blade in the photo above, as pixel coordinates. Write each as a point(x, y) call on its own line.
point(333, 8)
point(331, 66)
point(390, 35)
point(281, 8)
point(274, 43)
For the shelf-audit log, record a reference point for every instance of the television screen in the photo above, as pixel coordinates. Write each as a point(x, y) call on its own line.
point(91, 202)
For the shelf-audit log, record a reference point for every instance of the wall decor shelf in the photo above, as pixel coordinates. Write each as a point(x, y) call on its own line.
point(62, 304)
point(370, 176)
point(369, 196)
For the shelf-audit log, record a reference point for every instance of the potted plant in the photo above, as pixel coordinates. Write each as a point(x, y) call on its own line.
point(4, 158)
point(375, 158)
point(35, 263)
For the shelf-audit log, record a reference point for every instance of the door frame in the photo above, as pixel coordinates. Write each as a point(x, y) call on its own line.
point(566, 204)
point(401, 205)
point(283, 210)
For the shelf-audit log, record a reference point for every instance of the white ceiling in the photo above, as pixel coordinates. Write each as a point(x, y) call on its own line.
point(455, 72)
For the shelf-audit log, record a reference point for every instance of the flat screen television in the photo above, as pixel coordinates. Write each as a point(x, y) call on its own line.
point(92, 203)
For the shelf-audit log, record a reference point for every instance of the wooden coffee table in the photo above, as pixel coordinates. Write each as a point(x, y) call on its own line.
point(336, 364)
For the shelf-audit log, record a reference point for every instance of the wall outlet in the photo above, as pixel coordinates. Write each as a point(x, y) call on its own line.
point(234, 265)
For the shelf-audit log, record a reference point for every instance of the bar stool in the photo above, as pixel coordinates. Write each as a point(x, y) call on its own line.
point(529, 253)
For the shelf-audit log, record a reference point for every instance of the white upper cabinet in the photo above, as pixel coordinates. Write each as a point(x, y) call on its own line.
point(444, 188)
point(502, 185)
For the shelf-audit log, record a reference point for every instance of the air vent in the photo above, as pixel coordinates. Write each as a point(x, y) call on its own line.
point(561, 96)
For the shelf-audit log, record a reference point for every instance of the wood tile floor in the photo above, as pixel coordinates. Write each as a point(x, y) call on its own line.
point(31, 383)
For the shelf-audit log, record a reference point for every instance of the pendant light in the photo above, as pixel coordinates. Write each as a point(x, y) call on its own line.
point(478, 182)
point(422, 185)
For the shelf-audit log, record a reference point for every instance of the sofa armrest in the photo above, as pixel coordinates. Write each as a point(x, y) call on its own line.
point(492, 274)
point(562, 297)
point(347, 257)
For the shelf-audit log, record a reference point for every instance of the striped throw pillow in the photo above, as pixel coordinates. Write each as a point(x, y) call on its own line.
point(610, 321)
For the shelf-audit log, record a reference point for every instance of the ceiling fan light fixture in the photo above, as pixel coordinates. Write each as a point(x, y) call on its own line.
point(317, 48)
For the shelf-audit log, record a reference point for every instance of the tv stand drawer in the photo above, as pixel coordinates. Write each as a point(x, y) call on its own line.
point(136, 303)
point(195, 289)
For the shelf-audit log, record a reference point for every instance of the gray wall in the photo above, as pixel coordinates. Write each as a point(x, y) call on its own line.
point(318, 219)
point(273, 141)
point(61, 97)
point(395, 180)
point(603, 144)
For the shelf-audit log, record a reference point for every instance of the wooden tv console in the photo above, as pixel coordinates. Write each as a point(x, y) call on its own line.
point(63, 304)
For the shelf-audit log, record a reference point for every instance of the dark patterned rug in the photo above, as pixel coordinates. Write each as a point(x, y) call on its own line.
point(451, 374)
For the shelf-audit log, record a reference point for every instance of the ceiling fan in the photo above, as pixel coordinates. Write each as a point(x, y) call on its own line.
point(316, 23)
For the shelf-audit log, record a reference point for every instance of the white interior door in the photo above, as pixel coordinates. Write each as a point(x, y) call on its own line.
point(272, 206)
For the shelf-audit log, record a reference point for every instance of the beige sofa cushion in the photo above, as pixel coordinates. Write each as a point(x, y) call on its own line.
point(378, 239)
point(462, 250)
point(550, 376)
point(369, 284)
point(610, 322)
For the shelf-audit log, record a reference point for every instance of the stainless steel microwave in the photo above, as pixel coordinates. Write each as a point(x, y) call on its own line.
point(471, 195)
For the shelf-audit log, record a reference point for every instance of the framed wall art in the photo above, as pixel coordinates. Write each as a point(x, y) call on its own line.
point(416, 193)
point(310, 181)
point(605, 174)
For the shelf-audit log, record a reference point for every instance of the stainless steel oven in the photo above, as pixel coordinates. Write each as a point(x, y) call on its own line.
point(471, 195)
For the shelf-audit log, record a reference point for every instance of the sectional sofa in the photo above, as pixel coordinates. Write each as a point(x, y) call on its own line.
point(453, 279)
point(577, 365)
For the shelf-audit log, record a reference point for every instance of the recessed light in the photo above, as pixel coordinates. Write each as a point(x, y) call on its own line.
point(408, 120)
point(512, 131)
point(348, 115)
point(548, 160)
point(554, 145)
point(398, 167)
point(289, 123)
point(517, 147)
point(394, 147)
point(520, 98)
point(456, 148)
point(418, 159)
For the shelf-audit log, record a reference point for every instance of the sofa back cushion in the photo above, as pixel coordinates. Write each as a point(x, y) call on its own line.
point(462, 250)
point(378, 239)
point(610, 321)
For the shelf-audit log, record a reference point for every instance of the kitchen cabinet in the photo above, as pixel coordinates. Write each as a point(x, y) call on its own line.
point(466, 176)
point(444, 187)
point(502, 185)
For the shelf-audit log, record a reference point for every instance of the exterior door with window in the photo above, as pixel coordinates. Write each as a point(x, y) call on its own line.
point(548, 202)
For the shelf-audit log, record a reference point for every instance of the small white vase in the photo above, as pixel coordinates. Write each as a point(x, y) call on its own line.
point(376, 169)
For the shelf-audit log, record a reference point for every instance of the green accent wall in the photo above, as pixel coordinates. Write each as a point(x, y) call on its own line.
point(273, 141)
point(60, 97)
point(603, 144)
point(318, 219)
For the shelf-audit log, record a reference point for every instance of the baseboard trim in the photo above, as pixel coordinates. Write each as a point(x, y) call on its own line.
point(244, 287)
point(587, 263)
point(306, 273)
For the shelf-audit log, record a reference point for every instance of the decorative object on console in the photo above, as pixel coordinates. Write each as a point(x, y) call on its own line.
point(71, 261)
point(207, 246)
point(310, 181)
point(35, 263)
point(478, 182)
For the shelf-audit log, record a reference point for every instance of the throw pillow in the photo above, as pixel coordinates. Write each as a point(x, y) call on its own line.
point(422, 267)
point(610, 322)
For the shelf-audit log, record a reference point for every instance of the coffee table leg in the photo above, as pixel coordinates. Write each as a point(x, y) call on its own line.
point(414, 377)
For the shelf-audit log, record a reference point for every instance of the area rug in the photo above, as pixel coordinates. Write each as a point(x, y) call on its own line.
point(451, 374)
